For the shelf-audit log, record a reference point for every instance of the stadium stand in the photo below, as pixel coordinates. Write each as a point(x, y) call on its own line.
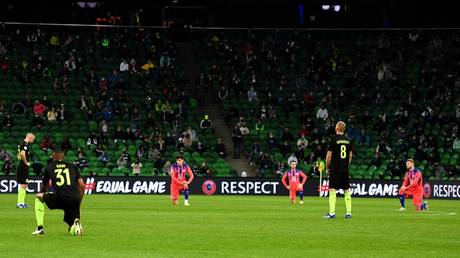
point(104, 90)
point(117, 94)
point(398, 91)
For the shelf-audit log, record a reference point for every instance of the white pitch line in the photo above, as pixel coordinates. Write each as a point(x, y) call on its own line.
point(442, 213)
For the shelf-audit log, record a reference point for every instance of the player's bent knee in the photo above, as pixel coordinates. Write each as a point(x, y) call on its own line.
point(39, 196)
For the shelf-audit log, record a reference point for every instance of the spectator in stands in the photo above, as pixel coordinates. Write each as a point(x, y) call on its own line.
point(150, 122)
point(381, 122)
point(456, 143)
point(199, 147)
point(119, 135)
point(92, 140)
point(192, 134)
point(39, 108)
point(180, 144)
point(264, 163)
point(322, 113)
point(457, 112)
point(105, 159)
point(124, 66)
point(167, 168)
point(244, 129)
point(8, 122)
point(52, 115)
point(63, 114)
point(237, 139)
point(204, 169)
point(259, 127)
point(382, 148)
point(136, 165)
point(153, 152)
point(280, 169)
point(104, 128)
point(8, 166)
point(271, 141)
point(252, 94)
point(352, 132)
point(136, 118)
point(220, 148)
point(83, 104)
point(123, 160)
point(222, 95)
point(81, 162)
point(187, 142)
point(3, 108)
point(303, 131)
point(206, 124)
point(363, 137)
point(232, 113)
point(99, 150)
point(330, 126)
point(129, 136)
point(302, 145)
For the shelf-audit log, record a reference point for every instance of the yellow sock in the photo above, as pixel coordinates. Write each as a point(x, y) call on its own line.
point(332, 200)
point(39, 211)
point(348, 201)
point(21, 195)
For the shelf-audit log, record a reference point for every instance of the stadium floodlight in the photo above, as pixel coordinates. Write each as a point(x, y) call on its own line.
point(91, 4)
point(87, 4)
point(337, 8)
point(325, 7)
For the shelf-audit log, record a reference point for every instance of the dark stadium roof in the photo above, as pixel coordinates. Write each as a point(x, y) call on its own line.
point(248, 13)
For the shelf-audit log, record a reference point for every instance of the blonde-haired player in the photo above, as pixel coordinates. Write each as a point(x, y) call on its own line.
point(338, 157)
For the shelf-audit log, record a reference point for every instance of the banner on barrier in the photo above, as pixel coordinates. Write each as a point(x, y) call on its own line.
point(239, 186)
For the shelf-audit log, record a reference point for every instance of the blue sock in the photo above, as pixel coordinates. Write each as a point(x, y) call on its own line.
point(401, 199)
point(301, 195)
point(186, 194)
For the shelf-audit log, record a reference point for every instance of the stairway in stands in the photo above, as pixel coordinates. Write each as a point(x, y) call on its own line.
point(186, 59)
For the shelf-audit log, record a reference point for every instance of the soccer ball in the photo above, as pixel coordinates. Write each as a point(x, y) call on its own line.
point(76, 229)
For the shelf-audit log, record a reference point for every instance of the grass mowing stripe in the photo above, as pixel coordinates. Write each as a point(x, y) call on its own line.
point(232, 226)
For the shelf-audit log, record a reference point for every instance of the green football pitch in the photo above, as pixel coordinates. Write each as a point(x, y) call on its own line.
point(233, 226)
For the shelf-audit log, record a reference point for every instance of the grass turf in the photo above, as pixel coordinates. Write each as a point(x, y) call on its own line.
point(233, 226)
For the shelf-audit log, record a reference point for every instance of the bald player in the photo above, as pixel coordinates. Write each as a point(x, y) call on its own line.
point(338, 157)
point(68, 192)
point(23, 169)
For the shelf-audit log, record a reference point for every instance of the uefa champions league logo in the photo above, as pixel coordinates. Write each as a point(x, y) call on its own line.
point(209, 187)
point(426, 191)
